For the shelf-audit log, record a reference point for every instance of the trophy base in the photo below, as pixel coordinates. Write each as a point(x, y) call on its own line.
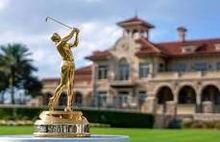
point(92, 138)
point(61, 124)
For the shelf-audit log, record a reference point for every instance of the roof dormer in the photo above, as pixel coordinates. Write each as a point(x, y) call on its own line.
point(217, 46)
point(135, 27)
point(189, 48)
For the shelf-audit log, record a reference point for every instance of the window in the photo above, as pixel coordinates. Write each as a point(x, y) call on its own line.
point(180, 67)
point(78, 99)
point(188, 50)
point(102, 71)
point(143, 70)
point(160, 67)
point(218, 66)
point(200, 66)
point(141, 97)
point(123, 98)
point(101, 99)
point(123, 70)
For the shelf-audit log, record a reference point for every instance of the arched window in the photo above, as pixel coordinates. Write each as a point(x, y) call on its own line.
point(211, 93)
point(187, 95)
point(124, 69)
point(135, 31)
point(164, 94)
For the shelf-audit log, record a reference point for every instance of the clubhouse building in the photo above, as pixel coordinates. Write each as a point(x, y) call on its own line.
point(136, 74)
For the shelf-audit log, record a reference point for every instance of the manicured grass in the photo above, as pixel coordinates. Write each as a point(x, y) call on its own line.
point(139, 135)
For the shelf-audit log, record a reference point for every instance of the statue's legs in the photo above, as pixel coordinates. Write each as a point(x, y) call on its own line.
point(70, 83)
point(54, 99)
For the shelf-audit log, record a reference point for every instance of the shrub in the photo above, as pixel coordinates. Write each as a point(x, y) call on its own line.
point(112, 118)
point(198, 124)
point(187, 124)
point(99, 125)
point(175, 123)
point(201, 124)
point(120, 119)
point(217, 125)
point(210, 124)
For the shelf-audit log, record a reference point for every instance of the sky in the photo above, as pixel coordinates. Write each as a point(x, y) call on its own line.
point(23, 21)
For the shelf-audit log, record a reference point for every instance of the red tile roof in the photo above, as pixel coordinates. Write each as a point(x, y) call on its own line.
point(167, 49)
point(99, 55)
point(48, 80)
point(83, 74)
point(147, 48)
point(84, 70)
point(135, 21)
point(173, 49)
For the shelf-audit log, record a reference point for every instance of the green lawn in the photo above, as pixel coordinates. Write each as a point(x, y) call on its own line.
point(140, 135)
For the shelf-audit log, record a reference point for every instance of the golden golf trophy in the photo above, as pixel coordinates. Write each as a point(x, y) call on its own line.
point(66, 123)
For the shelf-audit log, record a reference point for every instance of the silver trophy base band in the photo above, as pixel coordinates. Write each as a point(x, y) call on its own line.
point(92, 138)
point(61, 129)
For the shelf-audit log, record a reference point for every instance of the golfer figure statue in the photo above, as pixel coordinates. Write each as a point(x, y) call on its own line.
point(67, 70)
point(59, 123)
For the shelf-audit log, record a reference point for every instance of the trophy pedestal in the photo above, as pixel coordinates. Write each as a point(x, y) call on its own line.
point(92, 138)
point(61, 124)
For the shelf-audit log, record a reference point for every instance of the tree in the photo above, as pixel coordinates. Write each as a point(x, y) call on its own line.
point(17, 67)
point(3, 85)
point(32, 86)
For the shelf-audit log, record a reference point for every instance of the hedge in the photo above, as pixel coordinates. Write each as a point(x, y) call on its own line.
point(120, 119)
point(113, 118)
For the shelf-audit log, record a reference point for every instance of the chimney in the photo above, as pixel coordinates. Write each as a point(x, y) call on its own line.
point(182, 33)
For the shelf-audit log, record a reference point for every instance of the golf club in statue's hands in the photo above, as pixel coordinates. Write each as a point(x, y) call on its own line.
point(57, 21)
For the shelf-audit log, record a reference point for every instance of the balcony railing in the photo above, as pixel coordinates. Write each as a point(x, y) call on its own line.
point(163, 76)
point(122, 82)
point(186, 108)
point(216, 108)
point(184, 75)
point(181, 109)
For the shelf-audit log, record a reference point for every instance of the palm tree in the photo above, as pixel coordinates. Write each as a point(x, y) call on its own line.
point(3, 85)
point(32, 86)
point(16, 65)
